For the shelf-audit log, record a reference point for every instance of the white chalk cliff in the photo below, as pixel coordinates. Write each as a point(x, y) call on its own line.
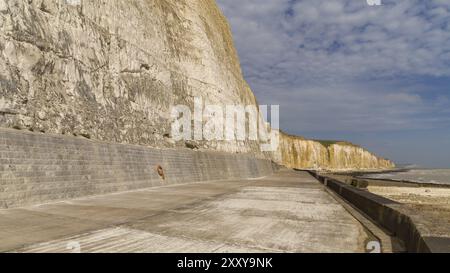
point(112, 70)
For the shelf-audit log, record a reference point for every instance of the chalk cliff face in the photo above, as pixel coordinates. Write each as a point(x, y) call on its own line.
point(297, 152)
point(112, 70)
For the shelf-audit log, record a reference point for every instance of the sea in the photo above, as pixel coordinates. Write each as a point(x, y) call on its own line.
point(434, 176)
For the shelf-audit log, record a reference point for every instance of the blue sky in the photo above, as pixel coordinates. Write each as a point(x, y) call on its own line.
point(378, 76)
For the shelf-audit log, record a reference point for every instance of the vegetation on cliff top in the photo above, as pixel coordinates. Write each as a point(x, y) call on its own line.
point(328, 143)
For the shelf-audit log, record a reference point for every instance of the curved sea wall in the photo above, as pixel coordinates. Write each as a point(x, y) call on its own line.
point(301, 153)
point(37, 168)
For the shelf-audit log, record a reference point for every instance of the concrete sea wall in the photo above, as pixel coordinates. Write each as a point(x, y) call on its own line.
point(37, 168)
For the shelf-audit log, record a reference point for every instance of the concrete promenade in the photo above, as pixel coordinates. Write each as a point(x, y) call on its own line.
point(285, 212)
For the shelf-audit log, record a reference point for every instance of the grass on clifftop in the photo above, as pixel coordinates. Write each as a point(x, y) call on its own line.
point(328, 143)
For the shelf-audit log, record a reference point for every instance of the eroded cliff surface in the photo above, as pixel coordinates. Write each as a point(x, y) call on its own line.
point(112, 70)
point(301, 153)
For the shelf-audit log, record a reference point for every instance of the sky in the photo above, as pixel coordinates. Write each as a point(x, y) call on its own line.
point(378, 76)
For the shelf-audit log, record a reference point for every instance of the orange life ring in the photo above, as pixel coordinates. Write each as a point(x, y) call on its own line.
point(160, 172)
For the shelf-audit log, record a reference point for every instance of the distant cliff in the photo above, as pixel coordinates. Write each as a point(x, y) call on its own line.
point(298, 152)
point(112, 71)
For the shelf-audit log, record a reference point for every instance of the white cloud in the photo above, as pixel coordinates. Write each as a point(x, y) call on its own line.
point(341, 38)
point(341, 64)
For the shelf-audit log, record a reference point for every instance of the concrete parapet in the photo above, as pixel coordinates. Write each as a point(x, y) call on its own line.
point(395, 217)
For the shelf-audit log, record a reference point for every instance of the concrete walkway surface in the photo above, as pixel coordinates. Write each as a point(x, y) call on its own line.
point(286, 212)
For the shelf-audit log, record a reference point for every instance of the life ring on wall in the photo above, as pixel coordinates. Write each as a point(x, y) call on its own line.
point(160, 172)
